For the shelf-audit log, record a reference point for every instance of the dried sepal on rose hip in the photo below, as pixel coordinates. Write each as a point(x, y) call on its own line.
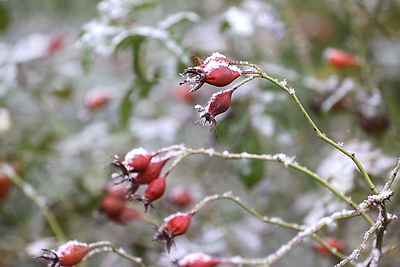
point(218, 104)
point(199, 259)
point(216, 70)
point(174, 225)
point(68, 254)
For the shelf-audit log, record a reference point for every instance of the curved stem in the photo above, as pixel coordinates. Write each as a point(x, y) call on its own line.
point(321, 135)
point(30, 192)
point(281, 158)
point(303, 230)
point(103, 246)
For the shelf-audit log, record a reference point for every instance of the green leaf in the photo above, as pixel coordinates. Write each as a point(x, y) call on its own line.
point(255, 170)
point(125, 108)
point(86, 59)
point(4, 17)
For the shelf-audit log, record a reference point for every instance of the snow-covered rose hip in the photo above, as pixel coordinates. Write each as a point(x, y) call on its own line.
point(174, 225)
point(218, 103)
point(155, 189)
point(68, 254)
point(199, 259)
point(215, 70)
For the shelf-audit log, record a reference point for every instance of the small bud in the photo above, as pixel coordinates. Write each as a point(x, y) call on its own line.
point(175, 224)
point(69, 254)
point(215, 70)
point(218, 103)
point(339, 58)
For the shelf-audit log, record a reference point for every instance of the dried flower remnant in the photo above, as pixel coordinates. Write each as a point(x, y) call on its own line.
point(216, 70)
point(174, 225)
point(68, 254)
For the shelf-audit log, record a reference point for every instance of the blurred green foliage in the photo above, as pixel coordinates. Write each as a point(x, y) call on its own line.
point(64, 145)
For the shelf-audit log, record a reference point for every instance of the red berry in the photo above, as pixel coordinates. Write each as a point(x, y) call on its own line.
point(56, 44)
point(112, 205)
point(116, 190)
point(339, 58)
point(218, 103)
point(198, 259)
point(97, 99)
point(5, 187)
point(215, 70)
point(72, 253)
point(126, 215)
point(182, 94)
point(178, 224)
point(137, 159)
point(180, 197)
point(152, 171)
point(69, 254)
point(174, 225)
point(155, 189)
point(333, 243)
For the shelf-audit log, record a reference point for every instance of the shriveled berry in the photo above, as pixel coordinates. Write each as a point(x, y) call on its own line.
point(174, 225)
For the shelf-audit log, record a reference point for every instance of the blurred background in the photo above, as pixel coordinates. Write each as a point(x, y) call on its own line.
point(82, 81)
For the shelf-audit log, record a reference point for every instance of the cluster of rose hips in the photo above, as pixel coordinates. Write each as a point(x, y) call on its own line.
point(142, 168)
point(218, 71)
